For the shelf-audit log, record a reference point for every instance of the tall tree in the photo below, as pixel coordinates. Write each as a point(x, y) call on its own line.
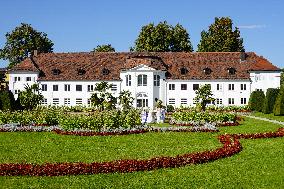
point(221, 37)
point(163, 38)
point(104, 48)
point(22, 41)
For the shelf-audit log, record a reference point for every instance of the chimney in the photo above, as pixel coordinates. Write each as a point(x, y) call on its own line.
point(35, 53)
point(243, 56)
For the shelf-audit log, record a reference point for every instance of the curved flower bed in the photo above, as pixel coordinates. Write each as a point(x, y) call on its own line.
point(231, 146)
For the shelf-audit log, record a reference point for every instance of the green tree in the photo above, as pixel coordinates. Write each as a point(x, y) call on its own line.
point(221, 37)
point(162, 38)
point(7, 101)
point(102, 99)
point(270, 98)
point(125, 99)
point(279, 103)
point(22, 41)
point(204, 96)
point(104, 48)
point(31, 97)
point(256, 101)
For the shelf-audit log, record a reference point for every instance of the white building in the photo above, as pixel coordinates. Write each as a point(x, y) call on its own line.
point(69, 78)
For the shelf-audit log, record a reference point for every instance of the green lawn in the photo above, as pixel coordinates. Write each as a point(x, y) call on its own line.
point(269, 116)
point(259, 165)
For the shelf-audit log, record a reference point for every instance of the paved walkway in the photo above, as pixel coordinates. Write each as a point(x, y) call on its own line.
point(265, 119)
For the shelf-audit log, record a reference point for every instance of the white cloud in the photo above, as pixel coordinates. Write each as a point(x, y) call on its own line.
point(255, 26)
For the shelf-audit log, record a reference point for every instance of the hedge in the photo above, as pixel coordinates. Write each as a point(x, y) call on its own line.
point(271, 95)
point(256, 101)
point(279, 104)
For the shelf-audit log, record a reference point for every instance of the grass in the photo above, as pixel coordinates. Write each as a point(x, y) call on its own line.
point(269, 116)
point(259, 165)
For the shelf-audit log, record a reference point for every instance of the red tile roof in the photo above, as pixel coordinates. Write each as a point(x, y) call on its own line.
point(172, 62)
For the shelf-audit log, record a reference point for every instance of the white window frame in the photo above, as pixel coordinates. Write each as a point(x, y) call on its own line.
point(90, 88)
point(183, 101)
point(172, 101)
point(231, 87)
point(172, 87)
point(79, 101)
point(67, 87)
point(43, 87)
point(231, 101)
point(67, 101)
point(157, 80)
point(128, 80)
point(55, 101)
point(142, 80)
point(243, 87)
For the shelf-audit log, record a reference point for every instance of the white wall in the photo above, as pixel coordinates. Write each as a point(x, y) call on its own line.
point(265, 79)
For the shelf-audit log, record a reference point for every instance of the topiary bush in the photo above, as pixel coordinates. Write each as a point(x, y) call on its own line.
point(256, 101)
point(270, 98)
point(7, 100)
point(279, 103)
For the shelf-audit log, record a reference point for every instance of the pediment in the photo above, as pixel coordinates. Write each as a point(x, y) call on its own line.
point(142, 67)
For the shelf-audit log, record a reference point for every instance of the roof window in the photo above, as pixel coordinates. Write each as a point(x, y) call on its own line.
point(231, 71)
point(207, 71)
point(183, 71)
point(56, 71)
point(81, 71)
point(105, 71)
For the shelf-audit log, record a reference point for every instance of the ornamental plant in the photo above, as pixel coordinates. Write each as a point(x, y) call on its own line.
point(31, 97)
point(256, 101)
point(204, 96)
point(271, 95)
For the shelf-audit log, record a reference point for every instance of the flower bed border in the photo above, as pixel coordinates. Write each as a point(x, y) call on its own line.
point(231, 146)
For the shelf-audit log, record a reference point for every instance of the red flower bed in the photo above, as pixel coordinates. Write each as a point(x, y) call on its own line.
point(231, 146)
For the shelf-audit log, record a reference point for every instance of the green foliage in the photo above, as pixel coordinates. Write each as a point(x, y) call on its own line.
point(256, 101)
point(270, 98)
point(163, 38)
point(7, 100)
point(104, 48)
point(159, 104)
point(31, 97)
point(170, 108)
point(221, 38)
point(204, 96)
point(101, 99)
point(101, 120)
point(125, 100)
point(279, 103)
point(22, 41)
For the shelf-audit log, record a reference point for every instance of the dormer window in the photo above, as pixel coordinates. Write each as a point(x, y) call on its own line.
point(183, 71)
point(105, 71)
point(231, 71)
point(81, 71)
point(56, 71)
point(207, 71)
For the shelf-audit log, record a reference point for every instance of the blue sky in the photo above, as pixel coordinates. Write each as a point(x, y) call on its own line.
point(79, 26)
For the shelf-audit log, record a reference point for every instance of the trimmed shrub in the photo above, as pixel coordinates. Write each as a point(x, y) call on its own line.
point(256, 101)
point(7, 100)
point(270, 98)
point(279, 104)
point(170, 108)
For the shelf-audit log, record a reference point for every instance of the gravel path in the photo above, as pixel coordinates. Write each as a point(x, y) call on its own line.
point(265, 119)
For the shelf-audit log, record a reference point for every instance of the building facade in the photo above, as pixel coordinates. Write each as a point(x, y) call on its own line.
point(69, 78)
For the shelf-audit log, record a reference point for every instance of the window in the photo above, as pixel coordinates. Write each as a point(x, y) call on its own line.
point(55, 87)
point(207, 71)
point(172, 101)
point(90, 88)
point(44, 87)
point(219, 87)
point(89, 102)
point(79, 101)
point(257, 77)
point(195, 87)
point(231, 71)
point(78, 87)
point(183, 86)
point(128, 80)
point(67, 87)
point(172, 87)
point(219, 101)
point(56, 71)
point(183, 71)
point(243, 87)
point(17, 79)
point(142, 103)
point(258, 89)
point(17, 91)
point(81, 71)
point(55, 101)
point(28, 79)
point(156, 80)
point(105, 71)
point(44, 101)
point(231, 101)
point(113, 87)
point(243, 101)
point(183, 101)
point(231, 87)
point(142, 80)
point(66, 101)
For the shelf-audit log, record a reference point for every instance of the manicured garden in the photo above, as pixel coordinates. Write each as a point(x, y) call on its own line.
point(257, 165)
